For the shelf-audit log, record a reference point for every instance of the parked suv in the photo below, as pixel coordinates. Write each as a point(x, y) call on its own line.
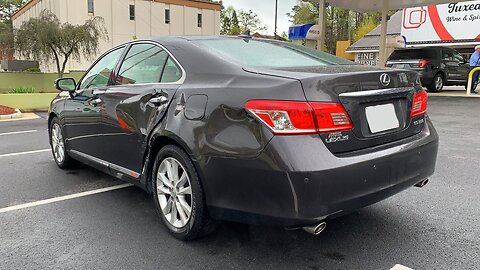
point(438, 66)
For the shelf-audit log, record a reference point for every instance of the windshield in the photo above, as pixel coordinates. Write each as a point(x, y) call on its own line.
point(273, 54)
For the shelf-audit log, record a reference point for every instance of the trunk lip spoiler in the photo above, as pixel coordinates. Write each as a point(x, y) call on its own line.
point(377, 92)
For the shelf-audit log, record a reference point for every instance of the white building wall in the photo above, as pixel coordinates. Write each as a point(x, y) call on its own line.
point(149, 21)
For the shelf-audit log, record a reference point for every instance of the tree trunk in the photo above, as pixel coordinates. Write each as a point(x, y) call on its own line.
point(57, 61)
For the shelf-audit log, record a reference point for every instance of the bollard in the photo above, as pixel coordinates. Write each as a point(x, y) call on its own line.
point(470, 78)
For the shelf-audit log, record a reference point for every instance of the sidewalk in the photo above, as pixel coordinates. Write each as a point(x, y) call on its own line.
point(453, 91)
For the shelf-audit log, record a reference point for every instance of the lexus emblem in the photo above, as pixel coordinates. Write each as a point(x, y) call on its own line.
point(385, 79)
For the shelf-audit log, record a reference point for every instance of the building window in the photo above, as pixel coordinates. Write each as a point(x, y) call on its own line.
point(91, 8)
point(199, 20)
point(167, 16)
point(132, 12)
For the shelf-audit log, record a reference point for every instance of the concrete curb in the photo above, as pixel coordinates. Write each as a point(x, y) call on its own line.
point(16, 115)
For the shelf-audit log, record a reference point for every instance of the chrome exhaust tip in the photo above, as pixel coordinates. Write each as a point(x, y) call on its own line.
point(422, 183)
point(316, 229)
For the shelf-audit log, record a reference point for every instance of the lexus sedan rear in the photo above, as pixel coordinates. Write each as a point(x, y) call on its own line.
point(247, 130)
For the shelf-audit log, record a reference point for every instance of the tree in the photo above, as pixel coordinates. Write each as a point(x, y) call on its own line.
point(7, 8)
point(304, 13)
point(249, 21)
point(364, 28)
point(44, 38)
point(236, 22)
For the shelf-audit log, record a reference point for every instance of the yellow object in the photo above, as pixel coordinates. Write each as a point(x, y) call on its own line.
point(470, 79)
point(341, 51)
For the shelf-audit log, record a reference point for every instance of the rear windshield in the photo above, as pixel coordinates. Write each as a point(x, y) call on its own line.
point(273, 54)
point(413, 54)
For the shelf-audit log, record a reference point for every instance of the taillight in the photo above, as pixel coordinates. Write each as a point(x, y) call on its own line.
point(423, 63)
point(292, 117)
point(419, 105)
point(331, 117)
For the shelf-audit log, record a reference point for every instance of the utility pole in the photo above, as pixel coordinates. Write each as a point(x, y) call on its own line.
point(276, 19)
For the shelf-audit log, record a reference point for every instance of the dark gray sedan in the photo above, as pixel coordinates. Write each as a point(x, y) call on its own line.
point(247, 130)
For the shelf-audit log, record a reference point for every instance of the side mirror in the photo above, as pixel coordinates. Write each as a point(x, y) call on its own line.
point(65, 84)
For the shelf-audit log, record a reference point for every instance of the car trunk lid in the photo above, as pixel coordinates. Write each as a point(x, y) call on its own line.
point(370, 95)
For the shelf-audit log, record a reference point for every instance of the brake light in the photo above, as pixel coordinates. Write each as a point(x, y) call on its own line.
point(331, 117)
point(419, 105)
point(423, 63)
point(292, 117)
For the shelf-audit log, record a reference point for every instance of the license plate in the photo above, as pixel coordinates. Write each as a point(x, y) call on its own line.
point(381, 118)
point(400, 66)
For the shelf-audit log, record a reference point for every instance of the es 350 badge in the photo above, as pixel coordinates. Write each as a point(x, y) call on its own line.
point(336, 137)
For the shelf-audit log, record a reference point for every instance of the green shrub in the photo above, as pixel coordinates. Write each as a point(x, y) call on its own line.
point(33, 69)
point(23, 90)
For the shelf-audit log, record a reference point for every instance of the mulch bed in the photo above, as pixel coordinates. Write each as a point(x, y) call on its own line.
point(4, 110)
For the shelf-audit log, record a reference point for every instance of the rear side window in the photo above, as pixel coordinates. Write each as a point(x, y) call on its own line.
point(144, 63)
point(408, 54)
point(259, 53)
point(171, 73)
point(415, 54)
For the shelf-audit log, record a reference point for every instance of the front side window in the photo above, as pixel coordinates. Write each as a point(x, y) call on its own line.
point(144, 63)
point(259, 53)
point(99, 75)
point(91, 8)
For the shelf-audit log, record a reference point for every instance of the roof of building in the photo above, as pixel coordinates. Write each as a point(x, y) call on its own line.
point(203, 4)
point(371, 40)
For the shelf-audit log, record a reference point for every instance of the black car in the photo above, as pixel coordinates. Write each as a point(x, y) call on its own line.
point(247, 130)
point(438, 66)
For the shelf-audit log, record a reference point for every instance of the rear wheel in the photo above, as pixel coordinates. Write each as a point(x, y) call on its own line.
point(179, 196)
point(59, 149)
point(437, 84)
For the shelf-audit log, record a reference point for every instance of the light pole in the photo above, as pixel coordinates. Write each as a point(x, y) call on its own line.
point(276, 19)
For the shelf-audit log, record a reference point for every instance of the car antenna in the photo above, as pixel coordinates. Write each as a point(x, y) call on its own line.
point(246, 35)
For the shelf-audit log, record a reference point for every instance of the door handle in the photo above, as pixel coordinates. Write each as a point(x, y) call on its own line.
point(96, 102)
point(158, 101)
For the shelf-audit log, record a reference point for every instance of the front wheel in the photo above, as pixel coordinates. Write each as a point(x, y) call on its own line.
point(57, 143)
point(178, 195)
point(437, 84)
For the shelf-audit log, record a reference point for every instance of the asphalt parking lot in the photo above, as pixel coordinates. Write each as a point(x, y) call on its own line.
point(436, 227)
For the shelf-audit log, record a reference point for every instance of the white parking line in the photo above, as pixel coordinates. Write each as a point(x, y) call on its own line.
point(25, 153)
point(400, 267)
point(63, 198)
point(18, 132)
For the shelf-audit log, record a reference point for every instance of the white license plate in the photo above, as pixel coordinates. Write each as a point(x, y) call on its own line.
point(381, 118)
point(400, 66)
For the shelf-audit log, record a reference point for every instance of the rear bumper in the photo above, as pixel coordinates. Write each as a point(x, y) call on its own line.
point(296, 181)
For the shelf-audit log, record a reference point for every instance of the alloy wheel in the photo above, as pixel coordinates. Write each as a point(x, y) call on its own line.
point(439, 83)
point(174, 192)
point(58, 145)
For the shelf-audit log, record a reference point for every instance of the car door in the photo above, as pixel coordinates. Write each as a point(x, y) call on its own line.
point(451, 66)
point(463, 66)
point(83, 111)
point(144, 86)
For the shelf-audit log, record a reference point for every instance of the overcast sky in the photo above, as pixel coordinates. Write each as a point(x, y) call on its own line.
point(266, 11)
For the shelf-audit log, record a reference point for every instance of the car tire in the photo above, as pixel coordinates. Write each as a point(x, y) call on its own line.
point(437, 83)
point(58, 146)
point(176, 190)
